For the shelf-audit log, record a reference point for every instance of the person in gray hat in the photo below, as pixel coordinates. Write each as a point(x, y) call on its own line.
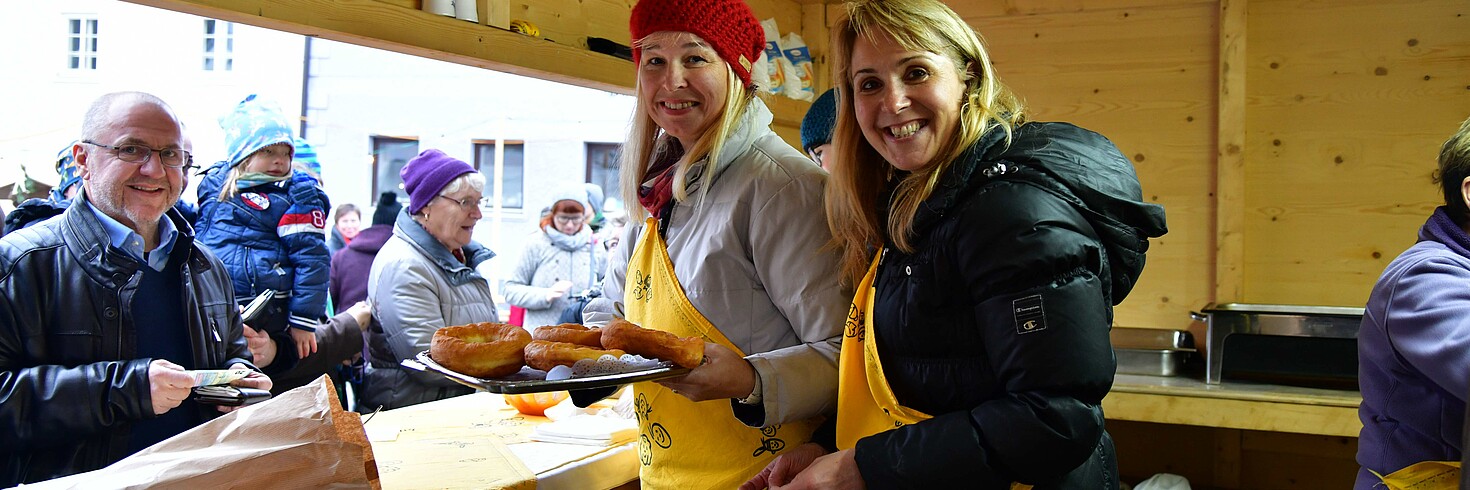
point(561, 266)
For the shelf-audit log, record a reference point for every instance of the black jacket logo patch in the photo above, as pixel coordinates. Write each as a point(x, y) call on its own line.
point(1030, 316)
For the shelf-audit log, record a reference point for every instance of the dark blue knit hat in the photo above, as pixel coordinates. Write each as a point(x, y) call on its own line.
point(816, 127)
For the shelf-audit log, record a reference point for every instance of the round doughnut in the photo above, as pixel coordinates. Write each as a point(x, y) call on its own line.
point(569, 332)
point(482, 350)
point(685, 351)
point(544, 355)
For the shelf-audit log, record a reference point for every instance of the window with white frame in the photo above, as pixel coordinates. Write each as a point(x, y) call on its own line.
point(219, 45)
point(515, 171)
point(602, 166)
point(390, 155)
point(81, 43)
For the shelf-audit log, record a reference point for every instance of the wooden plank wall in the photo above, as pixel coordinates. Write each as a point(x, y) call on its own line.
point(1293, 176)
point(1348, 104)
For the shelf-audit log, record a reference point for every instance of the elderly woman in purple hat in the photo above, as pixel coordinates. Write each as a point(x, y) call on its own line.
point(424, 278)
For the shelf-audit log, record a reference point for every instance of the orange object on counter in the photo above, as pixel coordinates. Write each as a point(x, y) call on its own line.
point(535, 403)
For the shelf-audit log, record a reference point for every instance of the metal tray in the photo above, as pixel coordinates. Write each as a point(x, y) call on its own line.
point(1150, 338)
point(531, 380)
point(1152, 362)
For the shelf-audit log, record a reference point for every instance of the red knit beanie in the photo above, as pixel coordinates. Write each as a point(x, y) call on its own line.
point(727, 25)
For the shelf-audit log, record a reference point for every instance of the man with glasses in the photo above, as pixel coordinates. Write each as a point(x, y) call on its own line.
point(105, 310)
point(39, 209)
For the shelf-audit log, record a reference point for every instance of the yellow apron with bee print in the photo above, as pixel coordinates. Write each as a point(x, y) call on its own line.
point(865, 402)
point(681, 443)
point(1425, 475)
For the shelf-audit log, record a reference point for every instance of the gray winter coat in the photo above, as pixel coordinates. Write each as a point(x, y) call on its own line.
point(417, 286)
point(544, 264)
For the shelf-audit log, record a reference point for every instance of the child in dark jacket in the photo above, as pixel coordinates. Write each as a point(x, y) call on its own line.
point(267, 223)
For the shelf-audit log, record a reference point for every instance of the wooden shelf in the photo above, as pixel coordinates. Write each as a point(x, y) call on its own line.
point(394, 27)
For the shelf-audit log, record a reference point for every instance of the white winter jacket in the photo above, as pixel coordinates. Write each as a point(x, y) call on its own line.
point(750, 258)
point(544, 264)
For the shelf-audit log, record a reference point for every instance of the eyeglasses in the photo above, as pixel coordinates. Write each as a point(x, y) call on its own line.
point(466, 203)
point(569, 219)
point(139, 154)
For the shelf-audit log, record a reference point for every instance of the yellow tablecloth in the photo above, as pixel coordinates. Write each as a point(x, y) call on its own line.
point(478, 441)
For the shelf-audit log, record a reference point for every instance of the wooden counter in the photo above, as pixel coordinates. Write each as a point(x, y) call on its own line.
point(1234, 405)
point(1235, 434)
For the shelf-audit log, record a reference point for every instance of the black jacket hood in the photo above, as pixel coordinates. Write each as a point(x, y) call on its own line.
point(1080, 166)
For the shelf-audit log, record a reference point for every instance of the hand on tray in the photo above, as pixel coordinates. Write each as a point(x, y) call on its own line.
point(724, 374)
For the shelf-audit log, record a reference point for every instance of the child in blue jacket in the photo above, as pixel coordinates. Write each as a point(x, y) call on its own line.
point(267, 223)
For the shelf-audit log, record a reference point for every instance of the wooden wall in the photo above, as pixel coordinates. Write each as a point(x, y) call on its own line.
point(1348, 102)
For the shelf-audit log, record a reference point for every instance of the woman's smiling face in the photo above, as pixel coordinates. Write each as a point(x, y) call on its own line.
point(907, 103)
point(682, 83)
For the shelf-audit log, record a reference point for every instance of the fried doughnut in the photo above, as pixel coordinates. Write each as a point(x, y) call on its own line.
point(569, 332)
point(686, 351)
point(544, 355)
point(482, 350)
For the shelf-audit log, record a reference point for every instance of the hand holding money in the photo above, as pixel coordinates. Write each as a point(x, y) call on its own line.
point(211, 377)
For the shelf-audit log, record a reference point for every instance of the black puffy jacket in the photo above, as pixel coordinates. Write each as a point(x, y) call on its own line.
point(997, 324)
point(69, 386)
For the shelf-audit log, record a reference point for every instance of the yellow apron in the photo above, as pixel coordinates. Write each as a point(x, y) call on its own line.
point(865, 403)
point(1427, 475)
point(683, 444)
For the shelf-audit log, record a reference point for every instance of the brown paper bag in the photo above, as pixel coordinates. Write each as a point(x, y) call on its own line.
point(300, 439)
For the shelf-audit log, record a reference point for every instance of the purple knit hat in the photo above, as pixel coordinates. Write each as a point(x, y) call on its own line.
point(427, 174)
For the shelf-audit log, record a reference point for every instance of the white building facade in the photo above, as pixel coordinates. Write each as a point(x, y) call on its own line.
point(369, 111)
point(58, 56)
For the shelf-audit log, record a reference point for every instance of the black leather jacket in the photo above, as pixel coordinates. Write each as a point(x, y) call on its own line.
point(997, 324)
point(67, 342)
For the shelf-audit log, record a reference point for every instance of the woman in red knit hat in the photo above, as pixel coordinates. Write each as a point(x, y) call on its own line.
point(725, 242)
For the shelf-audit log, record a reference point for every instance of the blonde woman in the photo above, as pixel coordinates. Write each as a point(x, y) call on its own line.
point(725, 242)
point(988, 252)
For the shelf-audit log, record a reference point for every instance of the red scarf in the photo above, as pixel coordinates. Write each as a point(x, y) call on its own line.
point(659, 194)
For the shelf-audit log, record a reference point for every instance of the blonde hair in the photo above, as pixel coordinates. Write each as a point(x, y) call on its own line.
point(859, 173)
point(230, 190)
point(648, 142)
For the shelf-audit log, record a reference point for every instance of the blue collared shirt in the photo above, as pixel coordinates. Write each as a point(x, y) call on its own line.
point(131, 242)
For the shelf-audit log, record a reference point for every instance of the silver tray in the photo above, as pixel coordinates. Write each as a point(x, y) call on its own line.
point(1152, 362)
point(531, 380)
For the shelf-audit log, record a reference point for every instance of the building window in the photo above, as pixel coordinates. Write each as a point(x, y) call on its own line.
point(602, 167)
point(389, 157)
point(515, 171)
point(219, 45)
point(81, 43)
